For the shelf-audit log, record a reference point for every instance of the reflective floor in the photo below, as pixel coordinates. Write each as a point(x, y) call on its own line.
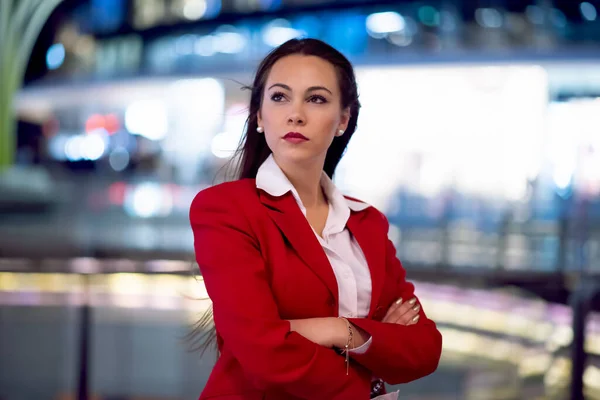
point(497, 344)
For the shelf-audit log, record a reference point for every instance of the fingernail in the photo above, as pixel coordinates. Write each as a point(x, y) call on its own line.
point(416, 318)
point(412, 301)
point(417, 307)
point(399, 301)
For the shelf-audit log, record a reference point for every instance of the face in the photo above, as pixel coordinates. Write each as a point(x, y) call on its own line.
point(301, 110)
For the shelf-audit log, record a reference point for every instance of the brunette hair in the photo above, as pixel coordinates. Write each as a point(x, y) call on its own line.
point(253, 149)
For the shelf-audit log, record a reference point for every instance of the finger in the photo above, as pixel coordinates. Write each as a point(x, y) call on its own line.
point(408, 317)
point(402, 309)
point(414, 320)
point(405, 314)
point(395, 305)
point(406, 307)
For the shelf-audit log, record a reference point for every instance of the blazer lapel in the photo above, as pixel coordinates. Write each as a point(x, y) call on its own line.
point(373, 244)
point(288, 217)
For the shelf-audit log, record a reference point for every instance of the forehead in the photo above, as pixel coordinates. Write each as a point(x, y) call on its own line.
point(303, 71)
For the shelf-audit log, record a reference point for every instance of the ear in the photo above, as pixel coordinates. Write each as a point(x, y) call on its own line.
point(259, 118)
point(345, 119)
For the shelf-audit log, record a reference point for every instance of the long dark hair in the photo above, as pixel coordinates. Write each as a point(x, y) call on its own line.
point(253, 149)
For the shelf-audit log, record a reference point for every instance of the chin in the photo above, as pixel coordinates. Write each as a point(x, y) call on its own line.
point(297, 156)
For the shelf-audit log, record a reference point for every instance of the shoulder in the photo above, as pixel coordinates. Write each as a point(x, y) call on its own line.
point(370, 211)
point(238, 187)
point(355, 203)
point(224, 195)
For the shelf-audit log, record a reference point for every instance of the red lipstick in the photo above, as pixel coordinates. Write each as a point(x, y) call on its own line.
point(295, 137)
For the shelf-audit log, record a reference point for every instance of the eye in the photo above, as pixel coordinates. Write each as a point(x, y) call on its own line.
point(277, 97)
point(317, 99)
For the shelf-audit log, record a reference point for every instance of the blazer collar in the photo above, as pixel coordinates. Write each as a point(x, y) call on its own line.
point(290, 220)
point(292, 223)
point(272, 180)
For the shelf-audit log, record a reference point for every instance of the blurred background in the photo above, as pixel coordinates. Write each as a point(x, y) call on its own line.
point(479, 137)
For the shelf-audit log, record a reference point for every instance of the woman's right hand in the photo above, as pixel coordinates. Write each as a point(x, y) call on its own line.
point(403, 312)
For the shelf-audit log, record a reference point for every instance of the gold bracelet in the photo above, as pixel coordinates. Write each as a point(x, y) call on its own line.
point(349, 343)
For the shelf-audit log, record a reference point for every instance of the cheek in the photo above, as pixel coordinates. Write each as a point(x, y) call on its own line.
point(270, 139)
point(328, 122)
point(270, 109)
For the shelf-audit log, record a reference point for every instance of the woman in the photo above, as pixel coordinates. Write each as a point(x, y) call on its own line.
point(309, 299)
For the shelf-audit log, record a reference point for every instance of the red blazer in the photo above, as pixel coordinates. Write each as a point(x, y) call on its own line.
point(262, 265)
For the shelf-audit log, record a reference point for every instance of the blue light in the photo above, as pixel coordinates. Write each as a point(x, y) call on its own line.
point(588, 11)
point(429, 16)
point(107, 15)
point(55, 56)
point(309, 24)
point(270, 5)
point(214, 8)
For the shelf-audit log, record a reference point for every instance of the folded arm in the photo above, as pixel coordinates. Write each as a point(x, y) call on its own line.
point(400, 353)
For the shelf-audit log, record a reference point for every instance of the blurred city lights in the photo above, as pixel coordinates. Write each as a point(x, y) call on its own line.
point(400, 39)
point(591, 377)
point(558, 18)
point(228, 40)
point(380, 24)
point(448, 21)
point(147, 118)
point(89, 147)
point(270, 5)
point(184, 45)
point(148, 200)
point(488, 17)
point(588, 11)
point(57, 146)
point(55, 56)
point(94, 146)
point(429, 16)
point(279, 31)
point(110, 123)
point(205, 46)
point(119, 159)
point(194, 9)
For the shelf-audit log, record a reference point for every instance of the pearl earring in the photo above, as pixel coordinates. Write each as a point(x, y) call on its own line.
point(259, 129)
point(340, 132)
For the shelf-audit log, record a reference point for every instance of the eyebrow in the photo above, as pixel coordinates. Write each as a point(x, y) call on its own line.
point(310, 89)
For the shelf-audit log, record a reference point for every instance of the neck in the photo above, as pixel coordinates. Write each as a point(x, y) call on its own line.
point(306, 179)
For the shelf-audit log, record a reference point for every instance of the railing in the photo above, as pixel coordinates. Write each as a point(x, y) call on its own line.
point(581, 300)
point(581, 297)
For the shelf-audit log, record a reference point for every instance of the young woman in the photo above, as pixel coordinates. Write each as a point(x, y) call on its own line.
point(309, 299)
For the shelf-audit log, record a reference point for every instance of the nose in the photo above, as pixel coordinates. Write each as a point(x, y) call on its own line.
point(297, 116)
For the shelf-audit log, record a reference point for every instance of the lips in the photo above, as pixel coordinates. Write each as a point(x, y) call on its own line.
point(295, 135)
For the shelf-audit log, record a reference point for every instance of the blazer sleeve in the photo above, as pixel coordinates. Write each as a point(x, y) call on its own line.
point(398, 353)
point(246, 315)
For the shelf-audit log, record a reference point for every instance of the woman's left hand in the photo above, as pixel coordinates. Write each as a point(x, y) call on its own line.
point(403, 312)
